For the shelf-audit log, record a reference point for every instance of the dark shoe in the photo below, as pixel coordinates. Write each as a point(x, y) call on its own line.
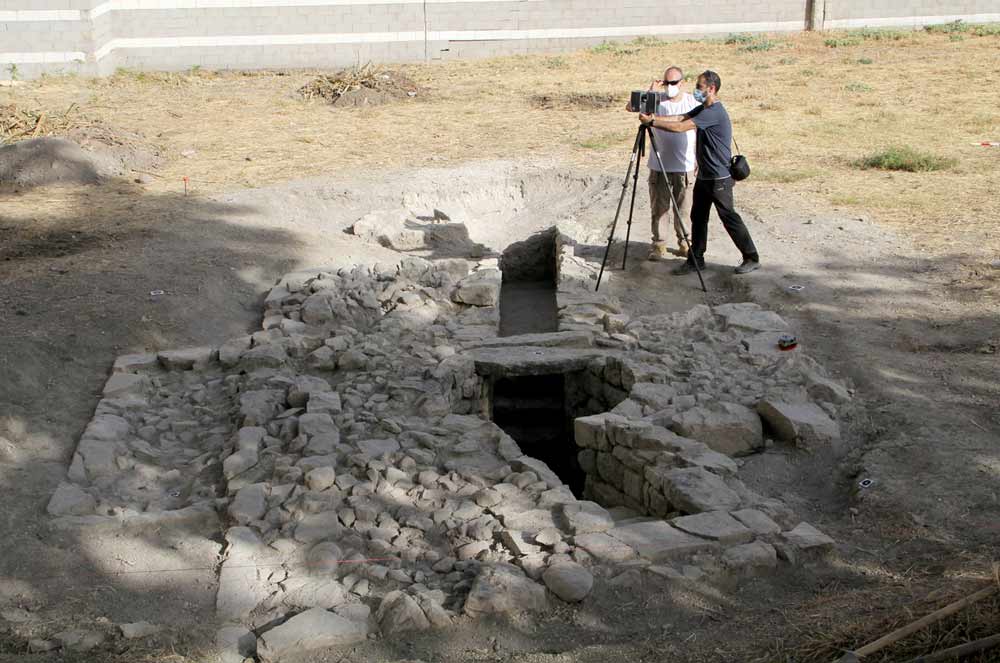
point(685, 267)
point(748, 265)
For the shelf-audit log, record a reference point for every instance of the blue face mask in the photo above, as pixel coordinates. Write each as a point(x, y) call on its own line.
point(699, 96)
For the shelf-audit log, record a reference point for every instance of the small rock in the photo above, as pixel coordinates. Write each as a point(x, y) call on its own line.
point(569, 581)
point(399, 612)
point(139, 630)
point(504, 589)
point(321, 478)
point(70, 500)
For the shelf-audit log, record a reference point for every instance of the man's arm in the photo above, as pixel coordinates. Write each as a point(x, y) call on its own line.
point(675, 123)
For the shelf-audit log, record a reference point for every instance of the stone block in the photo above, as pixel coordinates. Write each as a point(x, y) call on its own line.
point(728, 428)
point(801, 422)
point(694, 490)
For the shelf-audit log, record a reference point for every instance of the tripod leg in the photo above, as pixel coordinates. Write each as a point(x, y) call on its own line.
point(621, 199)
point(676, 207)
point(635, 185)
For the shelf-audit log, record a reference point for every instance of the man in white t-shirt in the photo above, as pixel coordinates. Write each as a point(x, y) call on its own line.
point(677, 150)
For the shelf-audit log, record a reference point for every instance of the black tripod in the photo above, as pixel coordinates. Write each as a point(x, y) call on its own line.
point(638, 149)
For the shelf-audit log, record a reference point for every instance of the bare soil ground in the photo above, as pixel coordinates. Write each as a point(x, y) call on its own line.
point(899, 296)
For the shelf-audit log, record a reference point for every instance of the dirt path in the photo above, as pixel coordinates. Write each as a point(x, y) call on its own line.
point(916, 334)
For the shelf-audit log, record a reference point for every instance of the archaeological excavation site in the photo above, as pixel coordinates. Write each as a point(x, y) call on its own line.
point(422, 444)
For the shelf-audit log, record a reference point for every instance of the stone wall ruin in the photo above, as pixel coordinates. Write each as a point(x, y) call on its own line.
point(347, 452)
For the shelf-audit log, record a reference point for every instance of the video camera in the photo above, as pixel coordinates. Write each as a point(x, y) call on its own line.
point(646, 101)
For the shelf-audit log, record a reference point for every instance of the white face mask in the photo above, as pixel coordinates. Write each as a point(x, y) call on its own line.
point(672, 91)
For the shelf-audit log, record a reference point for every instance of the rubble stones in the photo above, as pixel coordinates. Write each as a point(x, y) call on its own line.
point(185, 360)
point(361, 468)
point(569, 581)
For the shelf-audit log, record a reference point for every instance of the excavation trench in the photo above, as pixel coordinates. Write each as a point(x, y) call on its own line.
point(538, 410)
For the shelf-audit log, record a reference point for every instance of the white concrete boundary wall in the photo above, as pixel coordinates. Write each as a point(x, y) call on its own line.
point(98, 36)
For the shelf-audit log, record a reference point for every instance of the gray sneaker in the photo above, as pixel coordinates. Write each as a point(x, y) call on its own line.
point(747, 266)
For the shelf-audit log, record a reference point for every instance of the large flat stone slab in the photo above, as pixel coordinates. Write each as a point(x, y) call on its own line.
point(563, 339)
point(658, 541)
point(715, 525)
point(531, 360)
point(313, 629)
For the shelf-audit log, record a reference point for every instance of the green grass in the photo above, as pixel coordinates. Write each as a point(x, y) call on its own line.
point(739, 38)
point(960, 27)
point(648, 42)
point(858, 87)
point(865, 61)
point(878, 34)
point(555, 63)
point(762, 44)
point(905, 158)
point(614, 48)
point(839, 42)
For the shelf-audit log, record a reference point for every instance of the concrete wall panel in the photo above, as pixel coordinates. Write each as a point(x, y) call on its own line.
point(97, 36)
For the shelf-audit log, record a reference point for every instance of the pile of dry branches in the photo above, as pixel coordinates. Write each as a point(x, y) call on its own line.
point(368, 76)
point(17, 123)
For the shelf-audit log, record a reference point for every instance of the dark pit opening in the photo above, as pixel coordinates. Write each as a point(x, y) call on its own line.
point(528, 291)
point(532, 410)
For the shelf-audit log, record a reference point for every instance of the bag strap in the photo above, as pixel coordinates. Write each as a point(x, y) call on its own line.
point(736, 144)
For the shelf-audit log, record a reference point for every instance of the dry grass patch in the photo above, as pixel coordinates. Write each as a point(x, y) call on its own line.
point(790, 106)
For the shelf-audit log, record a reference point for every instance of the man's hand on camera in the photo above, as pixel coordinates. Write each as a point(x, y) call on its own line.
point(656, 85)
point(646, 120)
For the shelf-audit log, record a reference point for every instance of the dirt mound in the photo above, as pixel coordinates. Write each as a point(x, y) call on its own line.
point(87, 155)
point(361, 86)
point(39, 148)
point(595, 100)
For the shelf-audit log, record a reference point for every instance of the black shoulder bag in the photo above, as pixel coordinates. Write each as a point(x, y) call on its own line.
point(739, 167)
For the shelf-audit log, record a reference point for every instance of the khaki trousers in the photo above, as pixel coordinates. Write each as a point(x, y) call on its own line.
point(659, 198)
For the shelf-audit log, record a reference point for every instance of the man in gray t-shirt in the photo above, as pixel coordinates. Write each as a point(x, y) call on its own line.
point(714, 185)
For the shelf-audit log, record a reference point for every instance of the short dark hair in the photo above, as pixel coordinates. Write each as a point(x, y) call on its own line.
point(712, 78)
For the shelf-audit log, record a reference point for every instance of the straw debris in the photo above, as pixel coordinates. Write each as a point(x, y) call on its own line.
point(364, 85)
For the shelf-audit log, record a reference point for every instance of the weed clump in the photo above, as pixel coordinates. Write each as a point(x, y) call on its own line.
point(905, 158)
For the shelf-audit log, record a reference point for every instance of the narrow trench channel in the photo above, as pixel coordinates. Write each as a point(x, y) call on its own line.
point(532, 409)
